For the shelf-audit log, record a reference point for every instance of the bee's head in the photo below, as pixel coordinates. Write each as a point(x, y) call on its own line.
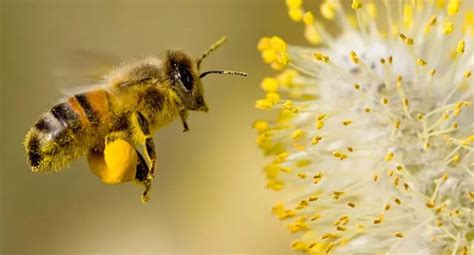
point(185, 78)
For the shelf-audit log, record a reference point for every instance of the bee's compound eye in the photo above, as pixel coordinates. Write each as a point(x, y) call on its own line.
point(186, 78)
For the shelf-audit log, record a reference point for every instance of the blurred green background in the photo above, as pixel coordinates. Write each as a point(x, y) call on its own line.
point(209, 195)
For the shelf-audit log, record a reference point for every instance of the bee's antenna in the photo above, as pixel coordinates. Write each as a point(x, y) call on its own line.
point(222, 72)
point(213, 47)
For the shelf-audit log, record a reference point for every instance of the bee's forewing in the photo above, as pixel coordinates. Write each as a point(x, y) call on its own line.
point(77, 67)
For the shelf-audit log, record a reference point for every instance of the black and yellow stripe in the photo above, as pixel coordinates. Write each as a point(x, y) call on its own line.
point(53, 135)
point(86, 106)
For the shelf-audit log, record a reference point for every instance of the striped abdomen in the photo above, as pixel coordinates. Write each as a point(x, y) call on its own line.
point(63, 133)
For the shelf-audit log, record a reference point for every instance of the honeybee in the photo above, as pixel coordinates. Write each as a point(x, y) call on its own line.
point(112, 123)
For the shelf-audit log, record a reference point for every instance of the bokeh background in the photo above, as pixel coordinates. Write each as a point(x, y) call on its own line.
point(209, 195)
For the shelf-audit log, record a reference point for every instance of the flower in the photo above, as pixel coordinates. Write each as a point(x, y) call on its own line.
point(373, 137)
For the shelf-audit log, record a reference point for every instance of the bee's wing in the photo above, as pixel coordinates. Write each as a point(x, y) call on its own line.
point(78, 67)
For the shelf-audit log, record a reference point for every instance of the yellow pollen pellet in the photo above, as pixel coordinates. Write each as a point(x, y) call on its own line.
point(430, 204)
point(296, 14)
point(432, 20)
point(347, 122)
point(294, 3)
point(367, 109)
point(316, 180)
point(397, 124)
point(467, 74)
point(460, 47)
point(297, 134)
point(432, 72)
point(321, 116)
point(356, 86)
point(286, 169)
point(308, 18)
point(375, 177)
point(319, 124)
point(289, 106)
point(318, 175)
point(298, 246)
point(356, 4)
point(406, 186)
point(387, 207)
point(273, 98)
point(390, 173)
point(329, 248)
point(316, 140)
point(422, 62)
point(399, 168)
point(328, 10)
point(471, 195)
point(350, 149)
point(378, 221)
point(301, 175)
point(260, 125)
point(389, 156)
point(269, 84)
point(341, 228)
point(321, 57)
point(263, 104)
point(313, 198)
point(398, 234)
point(339, 155)
point(327, 235)
point(448, 27)
point(405, 101)
point(397, 201)
point(390, 59)
point(419, 116)
point(350, 204)
point(396, 181)
point(445, 176)
point(263, 44)
point(453, 7)
point(312, 35)
point(354, 57)
point(384, 100)
point(382, 61)
point(278, 44)
point(315, 216)
point(302, 204)
point(409, 41)
point(282, 157)
point(456, 158)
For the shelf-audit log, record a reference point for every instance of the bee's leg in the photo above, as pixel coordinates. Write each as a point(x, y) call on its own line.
point(141, 176)
point(184, 115)
point(142, 135)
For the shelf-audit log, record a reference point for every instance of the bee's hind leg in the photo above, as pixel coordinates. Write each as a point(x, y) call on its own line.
point(143, 178)
point(143, 136)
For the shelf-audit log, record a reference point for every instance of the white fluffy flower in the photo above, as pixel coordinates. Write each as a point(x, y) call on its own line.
point(374, 133)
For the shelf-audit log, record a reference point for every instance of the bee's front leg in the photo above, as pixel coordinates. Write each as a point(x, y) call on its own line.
point(142, 135)
point(184, 115)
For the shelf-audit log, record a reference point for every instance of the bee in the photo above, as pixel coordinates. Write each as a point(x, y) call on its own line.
point(112, 123)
